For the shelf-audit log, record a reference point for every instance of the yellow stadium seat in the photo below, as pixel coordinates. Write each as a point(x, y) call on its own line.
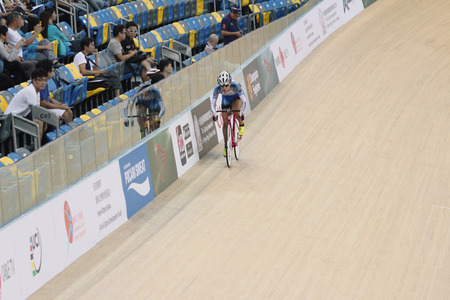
point(6, 160)
point(96, 111)
point(85, 118)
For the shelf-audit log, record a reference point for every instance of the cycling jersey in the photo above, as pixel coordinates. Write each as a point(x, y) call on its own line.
point(151, 99)
point(235, 92)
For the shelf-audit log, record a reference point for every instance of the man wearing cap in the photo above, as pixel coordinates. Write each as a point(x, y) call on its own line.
point(230, 28)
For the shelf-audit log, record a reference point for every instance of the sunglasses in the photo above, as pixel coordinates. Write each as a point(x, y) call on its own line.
point(225, 85)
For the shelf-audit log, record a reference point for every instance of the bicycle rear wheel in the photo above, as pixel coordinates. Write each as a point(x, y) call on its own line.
point(228, 144)
point(236, 138)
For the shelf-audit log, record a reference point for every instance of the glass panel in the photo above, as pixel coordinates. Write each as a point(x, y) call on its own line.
point(9, 192)
point(91, 157)
point(169, 103)
point(73, 157)
point(215, 69)
point(175, 88)
point(200, 79)
point(192, 82)
point(125, 132)
point(27, 183)
point(235, 55)
point(115, 135)
point(242, 49)
point(184, 89)
point(58, 164)
point(43, 178)
point(208, 71)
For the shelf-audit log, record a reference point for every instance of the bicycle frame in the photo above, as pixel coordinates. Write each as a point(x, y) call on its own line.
point(231, 137)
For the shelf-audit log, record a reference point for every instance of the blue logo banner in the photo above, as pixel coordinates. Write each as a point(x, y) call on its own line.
point(136, 180)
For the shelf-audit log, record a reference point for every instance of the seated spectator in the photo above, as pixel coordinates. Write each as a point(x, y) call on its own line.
point(46, 101)
point(2, 20)
point(211, 44)
point(141, 58)
point(30, 20)
point(5, 79)
point(87, 67)
point(21, 103)
point(117, 53)
point(52, 33)
point(12, 62)
point(43, 50)
point(165, 67)
point(230, 27)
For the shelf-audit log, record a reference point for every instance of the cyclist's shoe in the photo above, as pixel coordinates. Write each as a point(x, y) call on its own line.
point(241, 130)
point(224, 152)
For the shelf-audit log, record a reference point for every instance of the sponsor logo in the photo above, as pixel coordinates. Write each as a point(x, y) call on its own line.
point(132, 172)
point(7, 271)
point(268, 68)
point(141, 188)
point(249, 86)
point(282, 58)
point(69, 222)
point(322, 22)
point(346, 3)
point(36, 252)
point(75, 226)
point(293, 42)
point(198, 136)
point(136, 180)
point(180, 142)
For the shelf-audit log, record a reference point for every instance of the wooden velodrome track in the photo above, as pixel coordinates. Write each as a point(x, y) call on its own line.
point(342, 190)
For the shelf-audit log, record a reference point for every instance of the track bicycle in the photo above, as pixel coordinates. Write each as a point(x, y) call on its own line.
point(232, 137)
point(151, 122)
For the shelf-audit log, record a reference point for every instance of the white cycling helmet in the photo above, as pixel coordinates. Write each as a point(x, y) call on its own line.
point(224, 78)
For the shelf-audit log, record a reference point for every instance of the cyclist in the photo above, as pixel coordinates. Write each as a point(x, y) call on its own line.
point(233, 97)
point(150, 102)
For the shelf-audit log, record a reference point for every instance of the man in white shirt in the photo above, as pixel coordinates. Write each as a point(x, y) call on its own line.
point(43, 50)
point(21, 103)
point(87, 67)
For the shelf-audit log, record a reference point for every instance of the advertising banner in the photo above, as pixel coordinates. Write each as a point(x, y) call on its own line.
point(106, 192)
point(312, 28)
point(204, 129)
point(268, 71)
point(162, 161)
point(253, 83)
point(289, 49)
point(350, 8)
point(183, 141)
point(330, 16)
point(75, 218)
point(37, 253)
point(136, 180)
point(9, 276)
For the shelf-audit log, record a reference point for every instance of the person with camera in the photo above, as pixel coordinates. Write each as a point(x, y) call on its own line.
point(122, 48)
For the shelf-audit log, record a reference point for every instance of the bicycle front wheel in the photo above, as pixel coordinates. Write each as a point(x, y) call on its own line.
point(236, 138)
point(228, 144)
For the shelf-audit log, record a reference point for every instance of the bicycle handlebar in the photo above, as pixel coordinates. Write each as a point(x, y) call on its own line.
point(141, 116)
point(228, 110)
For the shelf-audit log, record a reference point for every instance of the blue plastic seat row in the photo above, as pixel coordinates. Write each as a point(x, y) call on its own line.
point(146, 13)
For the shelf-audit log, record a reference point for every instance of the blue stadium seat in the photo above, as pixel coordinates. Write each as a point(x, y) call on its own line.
point(14, 156)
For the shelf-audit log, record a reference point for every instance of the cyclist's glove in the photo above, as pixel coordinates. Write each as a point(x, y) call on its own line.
point(242, 117)
point(214, 118)
point(126, 123)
